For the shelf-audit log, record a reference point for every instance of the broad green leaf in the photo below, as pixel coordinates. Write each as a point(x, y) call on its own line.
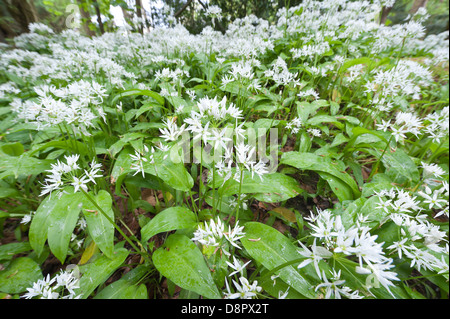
point(169, 219)
point(125, 93)
point(39, 224)
point(126, 287)
point(124, 140)
point(305, 109)
point(174, 174)
point(71, 145)
point(379, 182)
point(7, 251)
point(20, 274)
point(276, 287)
point(355, 281)
point(62, 221)
point(358, 131)
point(22, 165)
point(90, 250)
point(350, 63)
point(182, 262)
point(7, 192)
point(272, 188)
point(237, 89)
point(398, 165)
point(98, 271)
point(319, 119)
point(265, 124)
point(12, 149)
point(100, 229)
point(319, 164)
point(270, 248)
point(338, 187)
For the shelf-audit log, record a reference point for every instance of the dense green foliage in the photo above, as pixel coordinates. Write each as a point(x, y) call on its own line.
point(301, 155)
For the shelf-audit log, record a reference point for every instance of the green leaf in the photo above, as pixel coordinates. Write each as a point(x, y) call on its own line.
point(12, 149)
point(305, 109)
point(98, 271)
point(22, 165)
point(358, 131)
point(319, 119)
point(100, 229)
point(338, 187)
point(20, 274)
point(274, 187)
point(39, 224)
point(270, 248)
point(277, 286)
point(80, 147)
point(182, 262)
point(8, 192)
point(126, 287)
point(125, 93)
point(319, 164)
point(174, 174)
point(62, 221)
point(398, 165)
point(379, 182)
point(8, 251)
point(124, 140)
point(350, 63)
point(169, 219)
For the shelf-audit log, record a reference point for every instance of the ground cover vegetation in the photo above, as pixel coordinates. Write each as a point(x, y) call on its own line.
point(301, 157)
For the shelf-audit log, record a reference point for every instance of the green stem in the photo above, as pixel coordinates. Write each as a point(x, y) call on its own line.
point(238, 208)
point(374, 169)
point(115, 225)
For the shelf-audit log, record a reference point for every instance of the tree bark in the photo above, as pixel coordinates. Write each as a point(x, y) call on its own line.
point(138, 4)
point(99, 17)
point(384, 14)
point(179, 12)
point(418, 4)
point(86, 18)
point(22, 11)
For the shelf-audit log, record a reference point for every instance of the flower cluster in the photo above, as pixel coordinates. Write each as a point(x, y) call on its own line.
point(77, 104)
point(68, 174)
point(216, 235)
point(62, 286)
point(349, 241)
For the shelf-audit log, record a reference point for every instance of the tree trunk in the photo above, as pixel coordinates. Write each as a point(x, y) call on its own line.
point(177, 14)
point(126, 15)
point(418, 4)
point(384, 14)
point(139, 14)
point(22, 11)
point(86, 18)
point(99, 17)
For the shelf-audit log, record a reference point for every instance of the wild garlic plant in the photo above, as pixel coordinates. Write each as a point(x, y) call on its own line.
point(301, 158)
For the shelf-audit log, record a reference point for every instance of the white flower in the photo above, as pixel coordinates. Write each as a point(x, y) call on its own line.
point(244, 289)
point(237, 266)
point(212, 234)
point(432, 169)
point(138, 163)
point(315, 255)
point(171, 132)
point(380, 273)
point(79, 183)
point(315, 132)
point(431, 198)
point(331, 287)
point(400, 247)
